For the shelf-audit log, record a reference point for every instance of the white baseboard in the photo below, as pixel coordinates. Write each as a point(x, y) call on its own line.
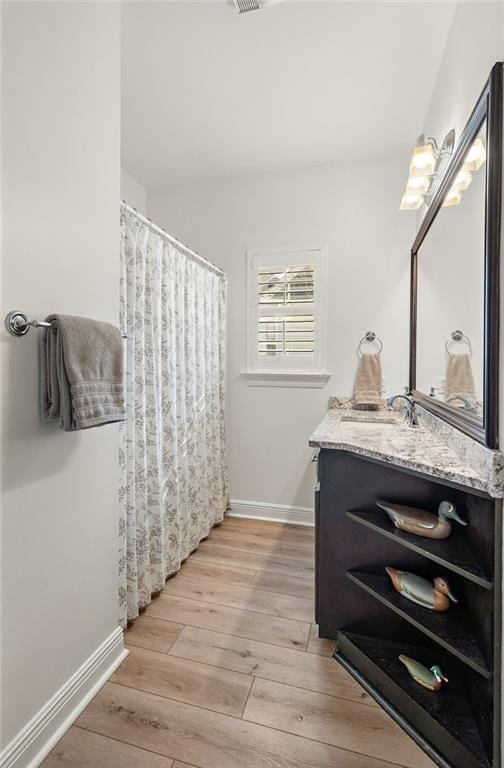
point(34, 742)
point(278, 513)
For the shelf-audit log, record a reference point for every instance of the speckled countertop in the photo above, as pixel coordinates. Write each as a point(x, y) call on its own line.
point(385, 436)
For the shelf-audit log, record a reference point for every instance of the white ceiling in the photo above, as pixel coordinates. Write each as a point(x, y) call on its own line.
point(208, 93)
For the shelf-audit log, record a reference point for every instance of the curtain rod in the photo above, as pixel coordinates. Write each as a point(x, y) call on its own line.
point(172, 239)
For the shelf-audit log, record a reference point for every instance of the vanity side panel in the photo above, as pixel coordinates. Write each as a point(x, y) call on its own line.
point(317, 557)
point(497, 687)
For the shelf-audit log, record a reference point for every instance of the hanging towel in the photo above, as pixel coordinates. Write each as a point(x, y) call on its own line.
point(81, 373)
point(368, 383)
point(459, 379)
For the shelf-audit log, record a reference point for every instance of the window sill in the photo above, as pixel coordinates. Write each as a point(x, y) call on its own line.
point(286, 379)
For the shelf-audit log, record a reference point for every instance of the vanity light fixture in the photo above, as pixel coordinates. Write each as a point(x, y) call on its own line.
point(427, 164)
point(473, 162)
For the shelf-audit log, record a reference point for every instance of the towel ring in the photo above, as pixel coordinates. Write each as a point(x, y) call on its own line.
point(370, 337)
point(458, 336)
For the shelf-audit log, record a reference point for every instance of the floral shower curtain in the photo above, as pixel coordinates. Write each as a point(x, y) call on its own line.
point(174, 484)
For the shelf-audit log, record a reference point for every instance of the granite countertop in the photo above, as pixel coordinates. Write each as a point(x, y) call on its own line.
point(385, 436)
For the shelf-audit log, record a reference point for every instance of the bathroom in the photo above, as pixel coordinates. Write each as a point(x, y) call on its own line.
point(281, 135)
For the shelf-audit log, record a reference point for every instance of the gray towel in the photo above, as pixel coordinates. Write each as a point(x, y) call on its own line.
point(368, 383)
point(81, 373)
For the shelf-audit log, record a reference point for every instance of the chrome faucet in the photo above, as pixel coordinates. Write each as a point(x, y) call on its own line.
point(410, 415)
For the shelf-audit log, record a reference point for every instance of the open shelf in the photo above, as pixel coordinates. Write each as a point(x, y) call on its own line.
point(452, 553)
point(444, 723)
point(447, 628)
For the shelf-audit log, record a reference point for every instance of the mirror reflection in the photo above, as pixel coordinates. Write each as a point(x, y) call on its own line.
point(450, 294)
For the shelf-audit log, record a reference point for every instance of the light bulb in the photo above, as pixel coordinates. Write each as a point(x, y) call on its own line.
point(419, 184)
point(423, 162)
point(411, 201)
point(453, 197)
point(475, 157)
point(462, 180)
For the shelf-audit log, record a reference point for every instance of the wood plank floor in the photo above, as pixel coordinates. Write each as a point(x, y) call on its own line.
point(226, 670)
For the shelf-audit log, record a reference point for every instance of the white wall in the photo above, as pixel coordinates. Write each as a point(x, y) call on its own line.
point(61, 142)
point(475, 42)
point(351, 209)
point(133, 192)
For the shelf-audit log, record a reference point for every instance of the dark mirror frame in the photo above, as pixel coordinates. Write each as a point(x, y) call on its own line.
point(489, 106)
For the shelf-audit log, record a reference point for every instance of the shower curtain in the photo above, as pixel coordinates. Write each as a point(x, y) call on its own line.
point(174, 483)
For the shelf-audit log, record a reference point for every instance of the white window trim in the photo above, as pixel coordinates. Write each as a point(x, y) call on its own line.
point(286, 379)
point(282, 372)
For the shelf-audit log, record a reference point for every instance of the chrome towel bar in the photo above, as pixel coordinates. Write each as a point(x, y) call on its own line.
point(18, 324)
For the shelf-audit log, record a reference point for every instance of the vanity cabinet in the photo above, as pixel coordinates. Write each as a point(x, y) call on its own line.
point(356, 604)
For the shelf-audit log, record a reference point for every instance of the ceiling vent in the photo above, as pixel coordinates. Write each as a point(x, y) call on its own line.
point(243, 6)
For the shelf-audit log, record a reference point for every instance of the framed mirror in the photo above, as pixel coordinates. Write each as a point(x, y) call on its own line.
point(454, 333)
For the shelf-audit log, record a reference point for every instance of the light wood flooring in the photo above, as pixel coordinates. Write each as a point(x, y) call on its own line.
point(226, 670)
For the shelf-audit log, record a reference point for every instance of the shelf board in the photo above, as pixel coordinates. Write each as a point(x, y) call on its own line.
point(441, 723)
point(447, 628)
point(452, 553)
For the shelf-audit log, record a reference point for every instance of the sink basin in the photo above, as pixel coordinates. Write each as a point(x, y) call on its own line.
point(370, 426)
point(369, 421)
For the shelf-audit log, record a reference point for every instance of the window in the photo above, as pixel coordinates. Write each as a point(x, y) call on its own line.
point(286, 321)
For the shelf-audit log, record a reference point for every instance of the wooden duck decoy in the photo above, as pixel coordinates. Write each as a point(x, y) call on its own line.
point(432, 678)
point(420, 522)
point(435, 596)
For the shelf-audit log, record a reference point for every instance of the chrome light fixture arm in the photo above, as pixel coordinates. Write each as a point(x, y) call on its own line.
point(444, 154)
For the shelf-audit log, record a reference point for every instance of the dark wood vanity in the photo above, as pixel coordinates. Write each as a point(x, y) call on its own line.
point(357, 606)
point(459, 726)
